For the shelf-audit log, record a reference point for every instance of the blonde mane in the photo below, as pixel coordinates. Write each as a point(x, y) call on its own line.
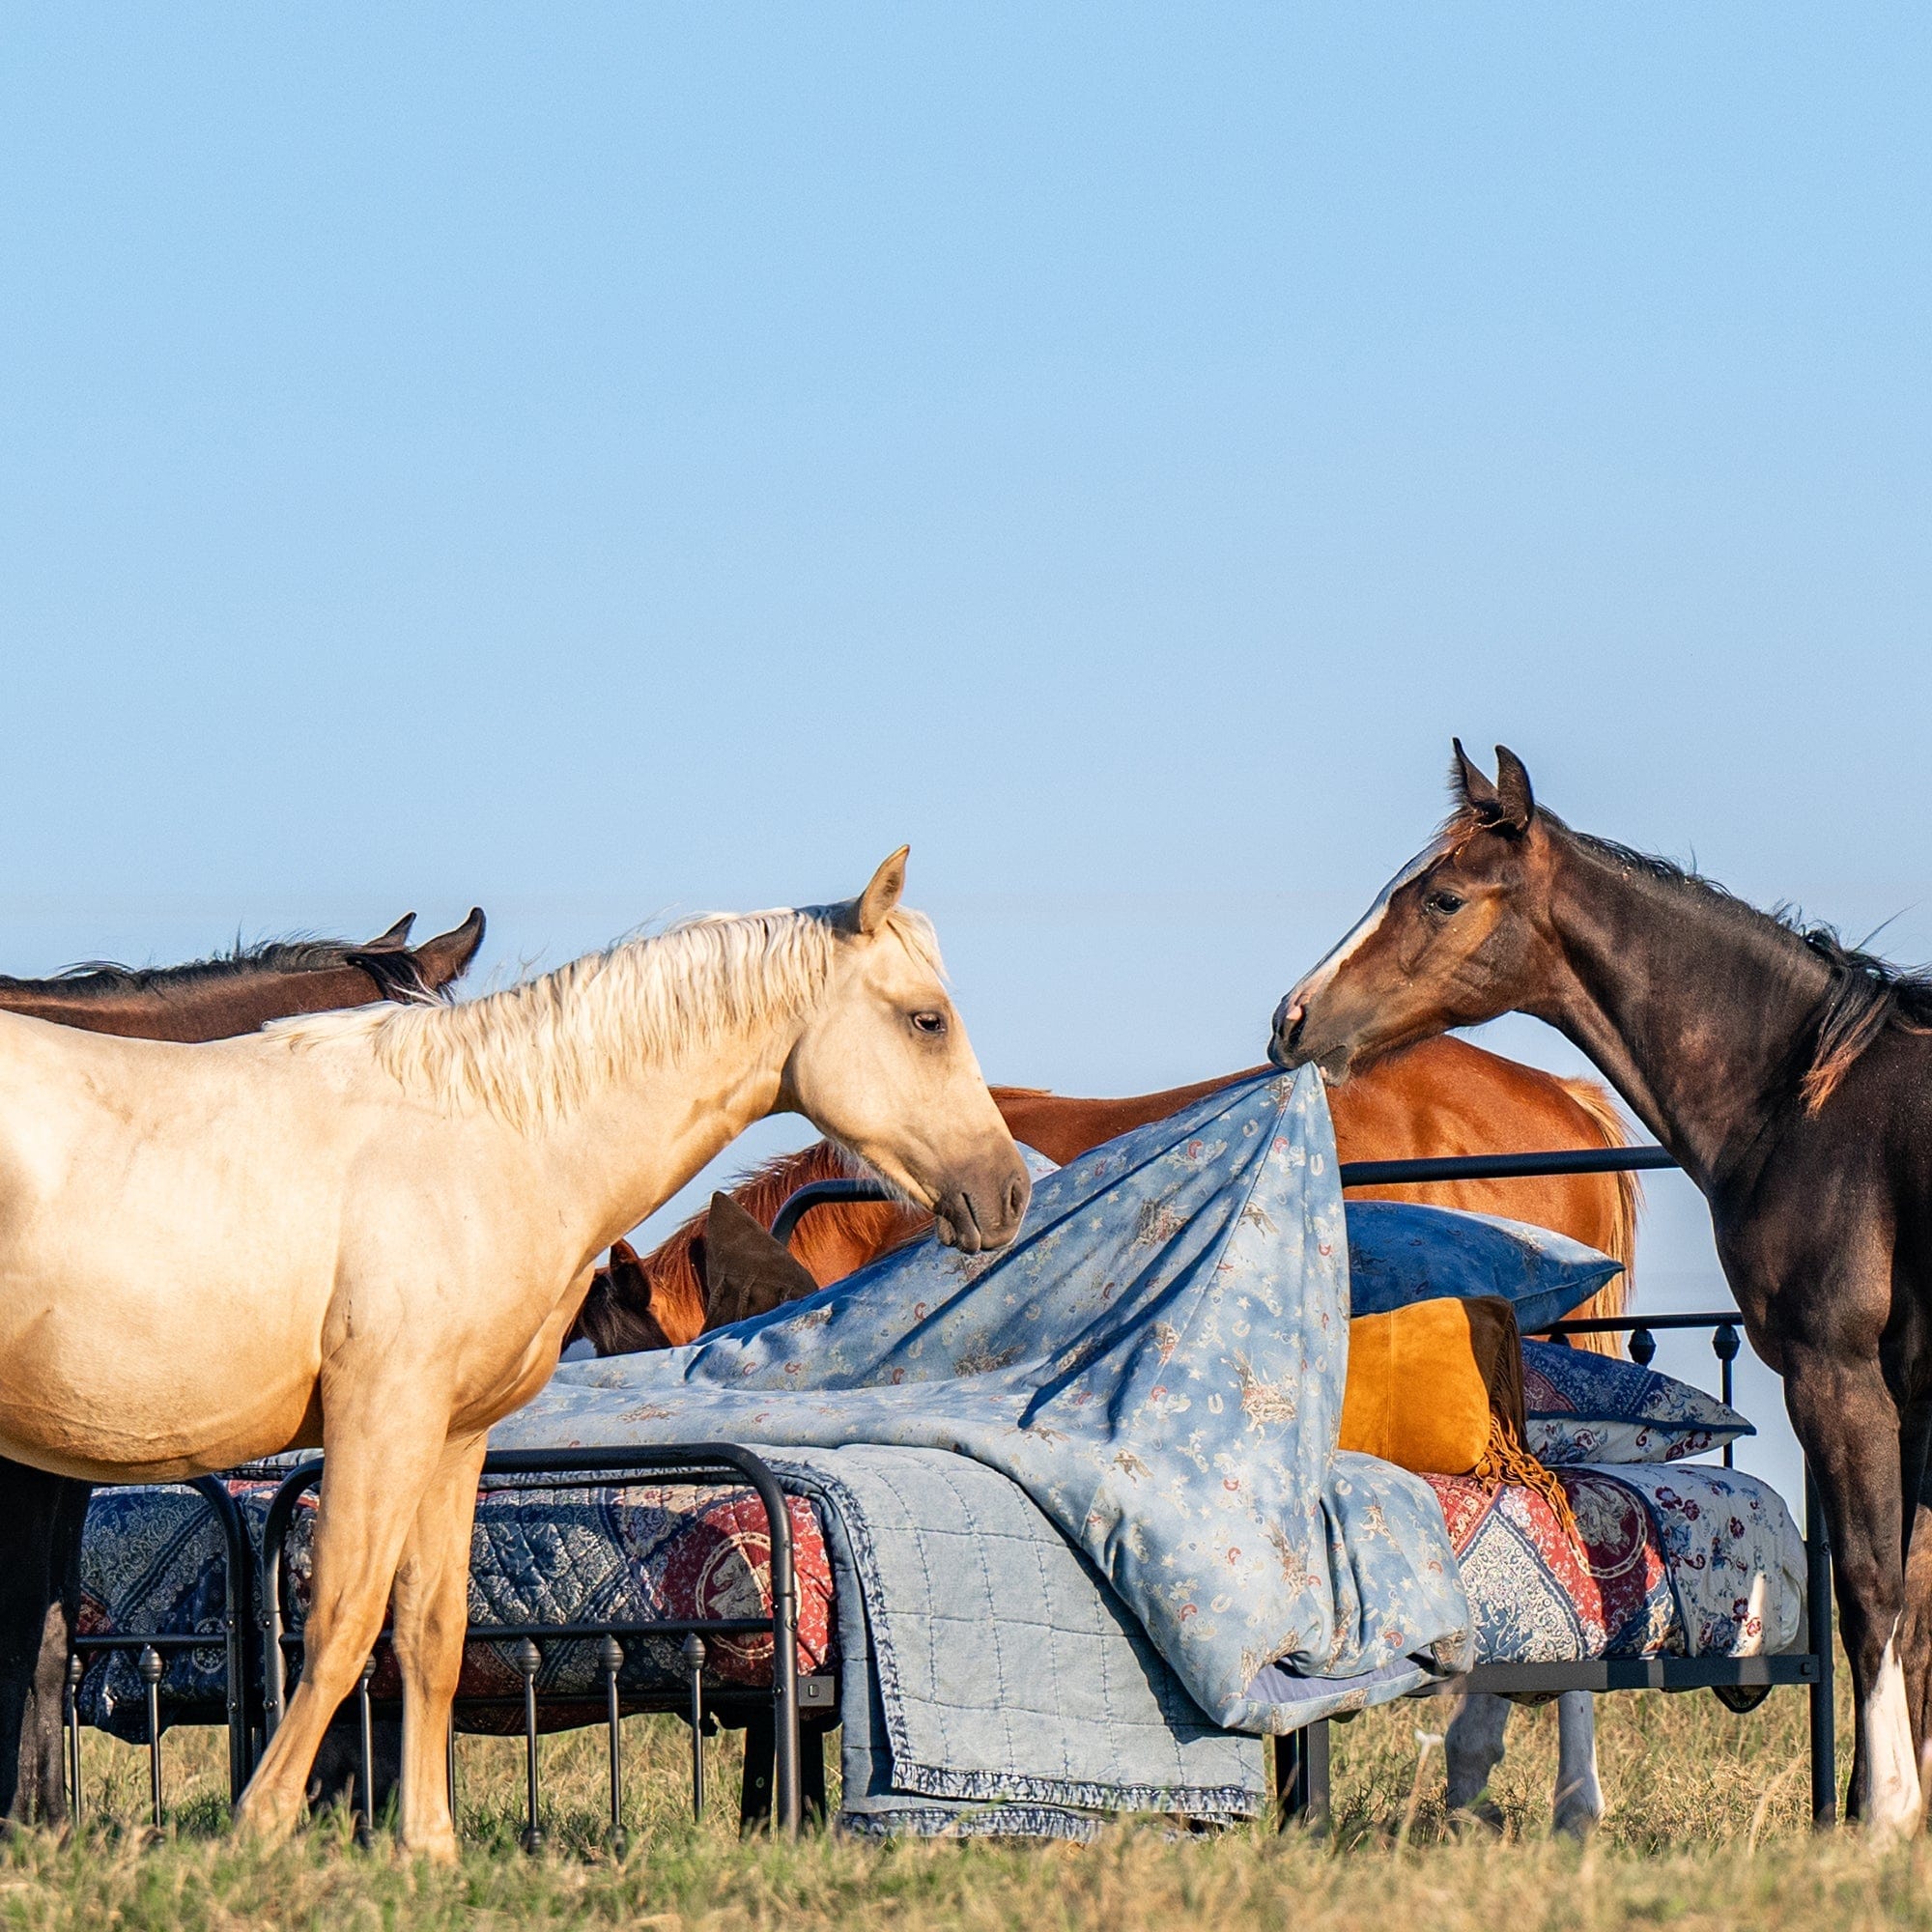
point(534, 1053)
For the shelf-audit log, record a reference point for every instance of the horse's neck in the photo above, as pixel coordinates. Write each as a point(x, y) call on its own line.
point(623, 1153)
point(127, 1012)
point(189, 1009)
point(1693, 1008)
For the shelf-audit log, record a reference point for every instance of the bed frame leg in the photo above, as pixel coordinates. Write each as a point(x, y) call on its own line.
point(754, 1799)
point(755, 1804)
point(1818, 1625)
point(1301, 1779)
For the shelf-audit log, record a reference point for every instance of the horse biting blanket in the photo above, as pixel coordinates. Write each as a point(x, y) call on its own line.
point(1157, 1362)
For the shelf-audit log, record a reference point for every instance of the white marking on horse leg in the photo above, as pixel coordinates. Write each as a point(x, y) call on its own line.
point(1892, 1794)
point(1580, 1798)
point(1474, 1747)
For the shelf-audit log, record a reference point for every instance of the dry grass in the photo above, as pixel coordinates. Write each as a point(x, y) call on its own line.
point(1708, 1828)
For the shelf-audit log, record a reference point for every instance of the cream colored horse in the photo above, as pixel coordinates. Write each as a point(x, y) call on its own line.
point(371, 1230)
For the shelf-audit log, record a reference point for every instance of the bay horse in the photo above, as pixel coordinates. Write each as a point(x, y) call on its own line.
point(43, 1515)
point(1441, 1097)
point(369, 1232)
point(1790, 1075)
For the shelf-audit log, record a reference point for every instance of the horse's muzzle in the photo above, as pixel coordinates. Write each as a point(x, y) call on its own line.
point(1290, 1020)
point(974, 1219)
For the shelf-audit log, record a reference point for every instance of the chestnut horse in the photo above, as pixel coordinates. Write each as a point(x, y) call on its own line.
point(1445, 1097)
point(1792, 1079)
point(42, 1515)
point(370, 1233)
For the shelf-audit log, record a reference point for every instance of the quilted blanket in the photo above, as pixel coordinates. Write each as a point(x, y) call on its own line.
point(992, 1684)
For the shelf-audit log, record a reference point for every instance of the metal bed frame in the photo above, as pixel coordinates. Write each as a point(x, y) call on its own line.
point(237, 1598)
point(783, 1776)
point(710, 1464)
point(786, 1726)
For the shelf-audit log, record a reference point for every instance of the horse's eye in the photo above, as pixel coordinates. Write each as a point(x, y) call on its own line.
point(929, 1023)
point(1444, 903)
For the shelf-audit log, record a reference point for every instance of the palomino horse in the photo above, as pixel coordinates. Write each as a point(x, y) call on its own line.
point(42, 1515)
point(371, 1231)
point(1443, 1096)
point(1792, 1079)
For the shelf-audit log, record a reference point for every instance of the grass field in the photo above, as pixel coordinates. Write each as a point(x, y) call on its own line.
point(1708, 1828)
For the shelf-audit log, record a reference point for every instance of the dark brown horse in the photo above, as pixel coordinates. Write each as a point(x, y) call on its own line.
point(1792, 1078)
point(42, 1515)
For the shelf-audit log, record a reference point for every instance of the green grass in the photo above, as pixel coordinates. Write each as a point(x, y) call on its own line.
point(1708, 1828)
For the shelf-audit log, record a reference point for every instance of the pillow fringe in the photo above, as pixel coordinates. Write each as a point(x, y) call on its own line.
point(1507, 1461)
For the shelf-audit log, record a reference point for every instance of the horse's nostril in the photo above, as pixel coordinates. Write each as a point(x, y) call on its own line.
point(1016, 1198)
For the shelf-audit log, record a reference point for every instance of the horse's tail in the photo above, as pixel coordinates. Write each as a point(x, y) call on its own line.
point(1614, 1298)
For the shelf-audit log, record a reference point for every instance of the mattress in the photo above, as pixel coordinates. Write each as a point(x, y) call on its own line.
point(1668, 1560)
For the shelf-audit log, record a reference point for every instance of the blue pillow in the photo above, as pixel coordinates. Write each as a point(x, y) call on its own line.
point(1400, 1252)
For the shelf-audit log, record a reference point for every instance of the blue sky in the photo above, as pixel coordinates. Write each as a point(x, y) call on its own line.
point(606, 462)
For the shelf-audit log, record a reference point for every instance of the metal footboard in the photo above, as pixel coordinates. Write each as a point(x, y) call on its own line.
point(151, 1646)
point(711, 1465)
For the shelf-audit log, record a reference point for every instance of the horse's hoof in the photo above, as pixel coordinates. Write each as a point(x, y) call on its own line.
point(438, 1849)
point(1481, 1814)
point(1577, 1817)
point(263, 1821)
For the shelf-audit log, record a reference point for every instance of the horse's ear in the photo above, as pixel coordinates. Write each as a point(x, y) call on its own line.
point(1514, 801)
point(1472, 789)
point(447, 955)
point(623, 1254)
point(876, 902)
point(745, 1273)
point(397, 936)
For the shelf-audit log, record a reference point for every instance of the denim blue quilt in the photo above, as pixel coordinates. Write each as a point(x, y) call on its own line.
point(1157, 1361)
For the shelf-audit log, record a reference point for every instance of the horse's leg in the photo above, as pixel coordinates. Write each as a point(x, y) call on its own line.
point(1915, 1641)
point(370, 1488)
point(1580, 1798)
point(1849, 1428)
point(1473, 1749)
point(30, 1511)
point(43, 1740)
point(432, 1615)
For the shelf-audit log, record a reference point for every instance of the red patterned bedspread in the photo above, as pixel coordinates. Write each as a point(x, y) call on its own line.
point(1668, 1560)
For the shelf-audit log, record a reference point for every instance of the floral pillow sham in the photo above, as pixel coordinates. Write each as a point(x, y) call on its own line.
point(1585, 1408)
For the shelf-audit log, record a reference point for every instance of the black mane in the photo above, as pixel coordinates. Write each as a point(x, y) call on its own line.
point(105, 979)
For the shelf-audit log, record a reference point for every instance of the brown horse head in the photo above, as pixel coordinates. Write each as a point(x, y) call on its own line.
point(217, 999)
point(400, 973)
point(1456, 937)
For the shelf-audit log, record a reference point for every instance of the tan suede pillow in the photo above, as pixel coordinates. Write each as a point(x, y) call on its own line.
point(1436, 1387)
